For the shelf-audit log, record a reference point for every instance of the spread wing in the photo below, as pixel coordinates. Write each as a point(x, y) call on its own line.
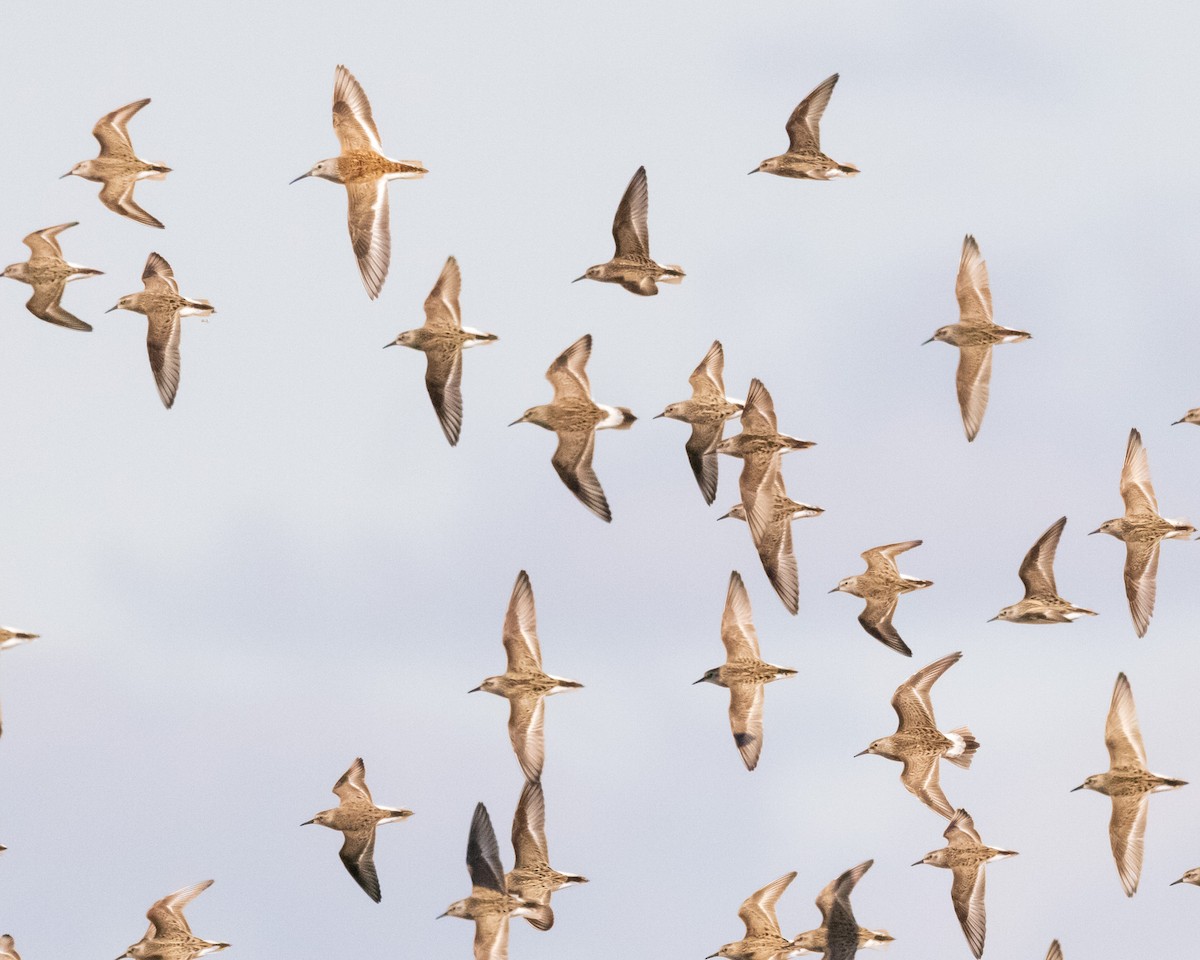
point(920, 777)
point(967, 892)
point(352, 120)
point(1136, 489)
point(166, 916)
point(520, 629)
point(443, 381)
point(573, 461)
point(1055, 952)
point(1141, 573)
point(971, 287)
point(117, 195)
point(483, 853)
point(1037, 569)
point(757, 912)
point(702, 455)
point(352, 784)
point(162, 343)
point(803, 126)
point(529, 828)
point(961, 832)
point(973, 381)
point(45, 305)
point(883, 559)
point(707, 379)
point(568, 373)
point(758, 416)
point(526, 718)
point(491, 936)
point(737, 628)
point(111, 133)
point(1127, 834)
point(370, 231)
point(441, 306)
point(876, 619)
point(778, 558)
point(1122, 735)
point(44, 243)
point(158, 277)
point(836, 896)
point(358, 854)
point(912, 702)
point(629, 225)
point(745, 719)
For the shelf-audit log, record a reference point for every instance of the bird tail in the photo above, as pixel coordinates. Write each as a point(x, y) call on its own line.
point(573, 878)
point(618, 418)
point(672, 273)
point(848, 170)
point(160, 172)
point(965, 745)
point(792, 443)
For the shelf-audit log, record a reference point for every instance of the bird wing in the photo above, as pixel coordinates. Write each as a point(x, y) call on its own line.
point(529, 828)
point(1037, 569)
point(758, 415)
point(778, 557)
point(973, 381)
point(629, 225)
point(166, 916)
point(757, 912)
point(1122, 735)
point(573, 461)
point(1136, 489)
point(491, 936)
point(162, 344)
point(803, 126)
point(370, 231)
point(441, 306)
point(117, 195)
point(961, 832)
point(912, 702)
point(520, 629)
point(1141, 572)
point(111, 134)
point(45, 305)
point(158, 277)
point(702, 455)
point(352, 120)
point(876, 619)
point(971, 287)
point(737, 628)
point(883, 559)
point(352, 784)
point(443, 381)
point(526, 718)
point(1127, 834)
point(920, 777)
point(707, 379)
point(358, 854)
point(483, 853)
point(568, 373)
point(967, 892)
point(44, 243)
point(838, 891)
point(745, 719)
point(1055, 951)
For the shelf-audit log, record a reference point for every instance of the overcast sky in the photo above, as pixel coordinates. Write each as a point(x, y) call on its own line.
point(292, 568)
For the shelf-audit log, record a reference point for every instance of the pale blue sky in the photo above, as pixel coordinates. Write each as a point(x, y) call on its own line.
point(292, 568)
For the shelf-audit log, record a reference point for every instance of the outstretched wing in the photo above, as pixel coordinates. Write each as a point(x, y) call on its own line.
point(572, 461)
point(803, 126)
point(568, 373)
point(1136, 489)
point(757, 912)
point(370, 231)
point(111, 133)
point(352, 120)
point(971, 287)
point(1037, 569)
point(630, 232)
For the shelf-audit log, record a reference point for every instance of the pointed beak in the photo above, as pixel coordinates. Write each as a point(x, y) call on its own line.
point(1097, 530)
point(577, 279)
point(918, 863)
point(755, 170)
point(307, 822)
point(930, 340)
point(440, 915)
point(515, 422)
point(64, 177)
point(1173, 882)
point(694, 682)
point(711, 955)
point(658, 416)
point(392, 344)
point(475, 689)
point(1173, 424)
point(299, 178)
point(863, 752)
point(834, 590)
point(110, 309)
point(996, 617)
point(725, 516)
point(1080, 787)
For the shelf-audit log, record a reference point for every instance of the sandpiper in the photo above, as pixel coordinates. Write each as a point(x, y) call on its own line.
point(574, 416)
point(839, 937)
point(169, 937)
point(706, 411)
point(975, 334)
point(48, 273)
point(917, 742)
point(804, 159)
point(1128, 784)
point(881, 586)
point(117, 167)
point(523, 683)
point(1192, 416)
point(442, 339)
point(763, 939)
point(1192, 877)
point(163, 305)
point(1042, 604)
point(1142, 530)
point(631, 265)
point(744, 673)
point(12, 637)
point(966, 854)
point(364, 171)
point(775, 548)
point(8, 950)
point(490, 904)
point(532, 877)
point(356, 817)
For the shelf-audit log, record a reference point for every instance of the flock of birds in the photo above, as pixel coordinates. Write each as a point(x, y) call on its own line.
point(764, 505)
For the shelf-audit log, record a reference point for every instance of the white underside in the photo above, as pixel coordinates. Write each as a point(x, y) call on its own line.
point(614, 417)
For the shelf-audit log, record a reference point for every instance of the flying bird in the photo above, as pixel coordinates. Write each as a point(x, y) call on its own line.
point(839, 937)
point(117, 167)
point(48, 273)
point(523, 684)
point(575, 418)
point(763, 939)
point(1192, 416)
point(1128, 784)
point(532, 877)
point(804, 159)
point(442, 339)
point(706, 411)
point(1142, 530)
point(1192, 877)
point(881, 586)
point(974, 335)
point(1041, 603)
point(744, 673)
point(966, 855)
point(356, 818)
point(491, 904)
point(169, 937)
point(631, 265)
point(364, 171)
point(917, 742)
